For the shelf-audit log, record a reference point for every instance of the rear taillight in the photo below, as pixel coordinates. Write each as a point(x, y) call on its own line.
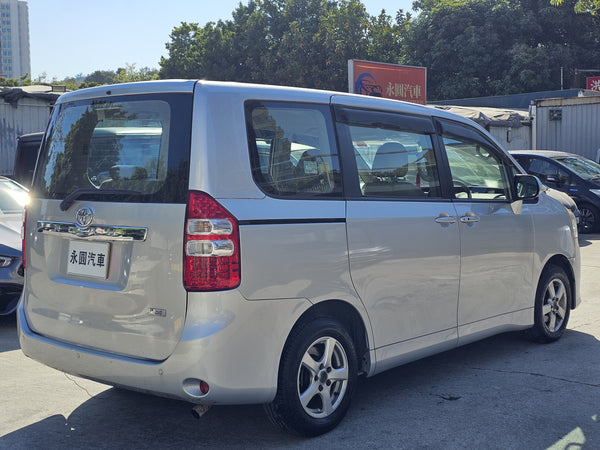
point(23, 230)
point(211, 259)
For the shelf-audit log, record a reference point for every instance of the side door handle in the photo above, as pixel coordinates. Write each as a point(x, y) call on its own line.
point(469, 219)
point(445, 219)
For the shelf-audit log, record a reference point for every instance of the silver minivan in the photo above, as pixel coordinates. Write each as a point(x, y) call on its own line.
point(226, 243)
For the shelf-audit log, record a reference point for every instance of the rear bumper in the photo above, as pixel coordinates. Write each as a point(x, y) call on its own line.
point(232, 344)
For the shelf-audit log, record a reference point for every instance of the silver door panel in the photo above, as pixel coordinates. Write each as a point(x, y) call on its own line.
point(496, 260)
point(405, 267)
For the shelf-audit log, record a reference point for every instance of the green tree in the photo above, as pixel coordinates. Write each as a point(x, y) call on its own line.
point(494, 47)
point(127, 74)
point(130, 74)
point(98, 78)
point(185, 52)
point(582, 6)
point(9, 82)
point(290, 42)
point(24, 80)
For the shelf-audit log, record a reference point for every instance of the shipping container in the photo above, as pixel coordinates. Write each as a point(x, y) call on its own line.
point(22, 110)
point(568, 124)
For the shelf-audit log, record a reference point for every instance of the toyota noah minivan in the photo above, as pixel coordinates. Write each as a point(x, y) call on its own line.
point(227, 243)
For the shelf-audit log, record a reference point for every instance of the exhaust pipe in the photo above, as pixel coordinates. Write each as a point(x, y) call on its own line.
point(199, 410)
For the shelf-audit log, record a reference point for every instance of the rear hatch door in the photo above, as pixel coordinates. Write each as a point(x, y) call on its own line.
point(105, 224)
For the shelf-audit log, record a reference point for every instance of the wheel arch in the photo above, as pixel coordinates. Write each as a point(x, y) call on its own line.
point(563, 262)
point(352, 321)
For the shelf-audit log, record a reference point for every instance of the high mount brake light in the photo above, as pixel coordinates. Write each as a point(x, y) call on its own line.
point(211, 260)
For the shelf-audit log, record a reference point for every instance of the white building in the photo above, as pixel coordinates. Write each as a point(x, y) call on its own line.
point(15, 60)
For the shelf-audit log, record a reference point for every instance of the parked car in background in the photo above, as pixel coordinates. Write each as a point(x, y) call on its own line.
point(13, 198)
point(575, 175)
point(28, 147)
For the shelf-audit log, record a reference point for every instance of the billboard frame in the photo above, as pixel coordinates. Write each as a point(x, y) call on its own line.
point(378, 91)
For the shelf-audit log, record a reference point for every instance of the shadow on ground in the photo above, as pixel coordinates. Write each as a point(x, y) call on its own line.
point(9, 339)
point(503, 392)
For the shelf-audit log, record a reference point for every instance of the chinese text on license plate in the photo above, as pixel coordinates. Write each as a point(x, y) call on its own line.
point(88, 258)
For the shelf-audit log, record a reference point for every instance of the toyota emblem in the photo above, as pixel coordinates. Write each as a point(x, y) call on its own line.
point(84, 217)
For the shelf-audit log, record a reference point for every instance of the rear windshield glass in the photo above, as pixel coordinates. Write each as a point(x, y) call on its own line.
point(136, 147)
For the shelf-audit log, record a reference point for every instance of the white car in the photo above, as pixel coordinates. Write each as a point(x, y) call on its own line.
point(227, 243)
point(13, 198)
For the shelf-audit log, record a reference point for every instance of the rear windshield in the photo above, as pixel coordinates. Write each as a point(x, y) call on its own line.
point(135, 148)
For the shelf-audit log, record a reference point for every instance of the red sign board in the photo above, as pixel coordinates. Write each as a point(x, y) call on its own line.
point(593, 83)
point(388, 80)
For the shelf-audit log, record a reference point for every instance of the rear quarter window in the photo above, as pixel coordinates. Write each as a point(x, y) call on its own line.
point(292, 150)
point(134, 146)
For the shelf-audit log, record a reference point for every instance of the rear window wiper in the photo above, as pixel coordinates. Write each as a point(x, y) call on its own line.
point(70, 199)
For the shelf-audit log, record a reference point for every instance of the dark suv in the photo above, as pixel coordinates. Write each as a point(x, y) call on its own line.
point(575, 175)
point(28, 147)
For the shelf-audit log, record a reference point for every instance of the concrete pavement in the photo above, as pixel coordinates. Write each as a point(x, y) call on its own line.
point(501, 393)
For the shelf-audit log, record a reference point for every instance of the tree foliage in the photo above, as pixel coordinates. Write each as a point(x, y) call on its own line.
point(469, 47)
point(494, 47)
point(25, 80)
point(126, 74)
point(293, 42)
point(582, 6)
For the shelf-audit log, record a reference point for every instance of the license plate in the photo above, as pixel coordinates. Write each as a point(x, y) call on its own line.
point(89, 259)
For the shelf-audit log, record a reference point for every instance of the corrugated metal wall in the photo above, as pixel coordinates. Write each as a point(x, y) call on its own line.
point(512, 138)
point(31, 115)
point(576, 131)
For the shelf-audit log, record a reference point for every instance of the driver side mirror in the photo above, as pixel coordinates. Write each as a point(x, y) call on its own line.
point(527, 186)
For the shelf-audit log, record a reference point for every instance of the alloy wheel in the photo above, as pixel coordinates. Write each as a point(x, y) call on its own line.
point(555, 304)
point(323, 377)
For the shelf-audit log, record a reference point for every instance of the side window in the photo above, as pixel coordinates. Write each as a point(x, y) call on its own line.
point(543, 169)
point(394, 163)
point(292, 149)
point(477, 172)
point(523, 161)
point(393, 153)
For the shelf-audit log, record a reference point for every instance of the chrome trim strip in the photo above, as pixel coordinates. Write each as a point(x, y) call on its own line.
point(94, 232)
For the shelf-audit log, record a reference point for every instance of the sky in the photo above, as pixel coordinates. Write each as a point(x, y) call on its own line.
point(72, 37)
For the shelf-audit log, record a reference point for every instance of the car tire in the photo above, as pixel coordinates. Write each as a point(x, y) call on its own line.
point(589, 218)
point(317, 378)
point(552, 305)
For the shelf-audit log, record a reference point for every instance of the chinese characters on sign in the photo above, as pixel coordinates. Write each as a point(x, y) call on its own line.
point(403, 90)
point(388, 80)
point(88, 258)
point(84, 258)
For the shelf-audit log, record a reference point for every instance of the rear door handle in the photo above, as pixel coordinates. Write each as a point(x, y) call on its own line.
point(445, 219)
